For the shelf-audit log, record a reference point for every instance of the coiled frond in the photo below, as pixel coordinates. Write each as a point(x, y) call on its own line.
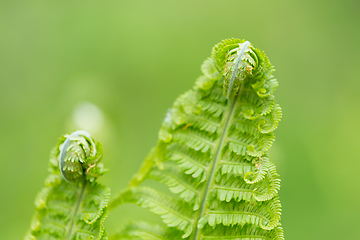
point(212, 155)
point(72, 205)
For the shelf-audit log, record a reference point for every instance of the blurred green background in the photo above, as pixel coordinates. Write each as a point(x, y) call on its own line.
point(129, 60)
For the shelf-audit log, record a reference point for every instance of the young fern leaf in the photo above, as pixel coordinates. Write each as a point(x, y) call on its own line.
point(72, 205)
point(212, 155)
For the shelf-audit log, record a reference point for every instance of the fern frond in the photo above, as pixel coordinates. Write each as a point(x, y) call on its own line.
point(266, 215)
point(213, 108)
point(272, 185)
point(190, 161)
point(194, 139)
point(206, 123)
point(245, 144)
point(248, 232)
point(235, 188)
point(212, 154)
point(76, 209)
point(174, 212)
point(145, 231)
point(179, 183)
point(233, 164)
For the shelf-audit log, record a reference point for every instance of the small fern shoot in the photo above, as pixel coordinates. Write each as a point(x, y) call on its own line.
point(212, 155)
point(72, 205)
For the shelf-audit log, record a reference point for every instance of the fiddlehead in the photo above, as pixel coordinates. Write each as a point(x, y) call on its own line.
point(212, 155)
point(78, 158)
point(72, 205)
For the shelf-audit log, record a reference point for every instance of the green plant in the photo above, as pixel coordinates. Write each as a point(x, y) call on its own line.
point(212, 156)
point(72, 205)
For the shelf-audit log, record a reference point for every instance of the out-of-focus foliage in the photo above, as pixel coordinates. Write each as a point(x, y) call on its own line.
point(72, 205)
point(131, 59)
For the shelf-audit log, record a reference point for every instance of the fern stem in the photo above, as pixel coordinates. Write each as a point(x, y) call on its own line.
point(241, 53)
point(72, 220)
point(215, 163)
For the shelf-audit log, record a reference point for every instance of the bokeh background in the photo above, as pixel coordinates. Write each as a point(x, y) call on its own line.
point(115, 67)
